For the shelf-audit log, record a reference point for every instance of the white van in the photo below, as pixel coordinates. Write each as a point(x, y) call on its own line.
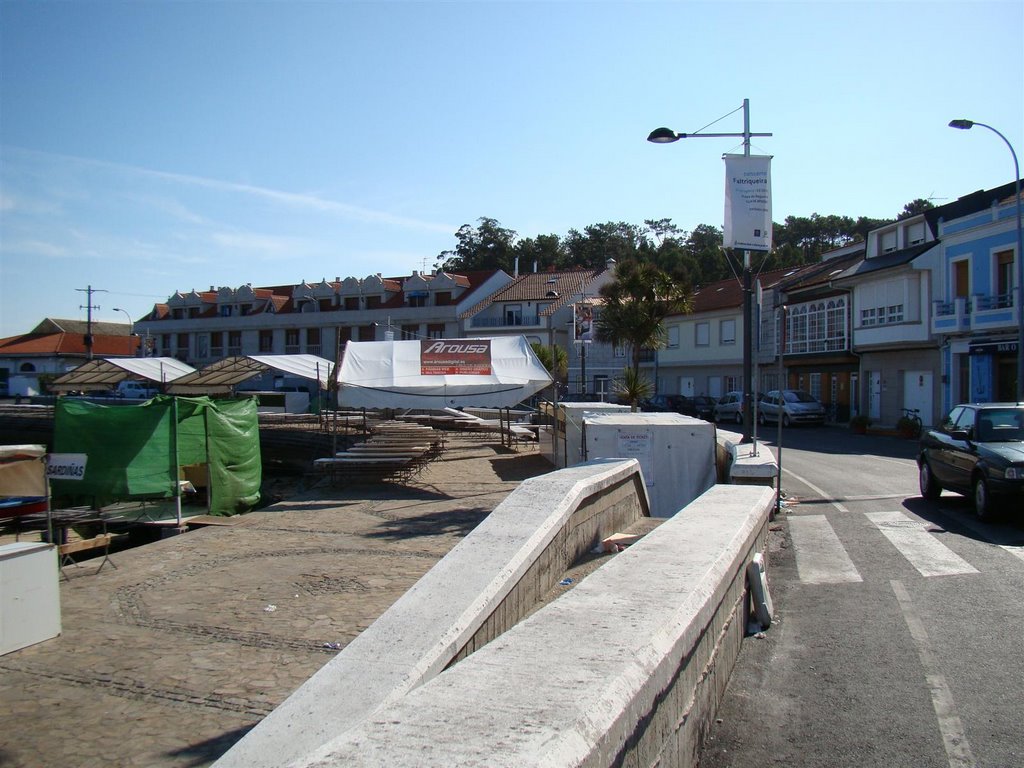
point(138, 390)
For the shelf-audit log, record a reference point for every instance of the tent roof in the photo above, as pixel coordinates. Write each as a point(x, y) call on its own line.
point(107, 373)
point(224, 375)
point(389, 374)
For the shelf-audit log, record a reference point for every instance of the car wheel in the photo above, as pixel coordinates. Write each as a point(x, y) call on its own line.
point(785, 419)
point(930, 488)
point(982, 500)
point(739, 417)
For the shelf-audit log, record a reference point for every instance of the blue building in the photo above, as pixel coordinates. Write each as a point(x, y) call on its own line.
point(974, 300)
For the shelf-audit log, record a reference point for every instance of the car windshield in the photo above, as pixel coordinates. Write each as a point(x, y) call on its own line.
point(1000, 425)
point(796, 396)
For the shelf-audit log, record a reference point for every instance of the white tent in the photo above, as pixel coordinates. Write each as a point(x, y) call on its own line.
point(494, 372)
point(107, 372)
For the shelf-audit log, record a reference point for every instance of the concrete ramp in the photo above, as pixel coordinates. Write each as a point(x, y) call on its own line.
point(627, 668)
point(484, 586)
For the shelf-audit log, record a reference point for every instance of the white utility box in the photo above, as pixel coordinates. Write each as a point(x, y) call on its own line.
point(676, 453)
point(29, 594)
point(565, 448)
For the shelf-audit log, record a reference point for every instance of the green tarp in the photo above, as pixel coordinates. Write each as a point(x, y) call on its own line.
point(137, 452)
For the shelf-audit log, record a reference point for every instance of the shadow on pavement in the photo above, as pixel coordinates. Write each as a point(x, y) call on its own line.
point(205, 752)
point(457, 522)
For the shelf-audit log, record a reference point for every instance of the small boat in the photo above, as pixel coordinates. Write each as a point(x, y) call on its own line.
point(22, 480)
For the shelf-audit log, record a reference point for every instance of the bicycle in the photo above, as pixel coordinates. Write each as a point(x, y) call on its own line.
point(910, 422)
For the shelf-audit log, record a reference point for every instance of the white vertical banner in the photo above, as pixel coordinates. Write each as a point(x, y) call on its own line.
point(748, 202)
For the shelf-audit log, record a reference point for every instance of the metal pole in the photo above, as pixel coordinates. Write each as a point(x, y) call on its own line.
point(748, 366)
point(778, 438)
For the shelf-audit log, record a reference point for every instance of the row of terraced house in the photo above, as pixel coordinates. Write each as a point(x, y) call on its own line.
point(922, 315)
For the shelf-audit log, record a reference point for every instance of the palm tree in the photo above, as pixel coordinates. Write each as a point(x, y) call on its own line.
point(554, 359)
point(636, 304)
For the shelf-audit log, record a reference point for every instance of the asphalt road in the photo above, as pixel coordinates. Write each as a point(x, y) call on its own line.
point(898, 637)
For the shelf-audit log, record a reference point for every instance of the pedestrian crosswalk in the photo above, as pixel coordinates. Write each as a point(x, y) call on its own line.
point(821, 557)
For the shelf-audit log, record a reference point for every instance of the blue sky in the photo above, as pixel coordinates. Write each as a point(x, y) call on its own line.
point(150, 147)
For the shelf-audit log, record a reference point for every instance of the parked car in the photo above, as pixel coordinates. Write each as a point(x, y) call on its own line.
point(729, 407)
point(794, 405)
point(699, 407)
point(138, 390)
point(977, 450)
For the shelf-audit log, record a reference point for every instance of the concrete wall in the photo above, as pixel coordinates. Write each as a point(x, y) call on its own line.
point(484, 586)
point(627, 668)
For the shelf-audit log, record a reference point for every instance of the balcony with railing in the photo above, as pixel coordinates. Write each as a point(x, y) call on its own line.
point(312, 349)
point(980, 312)
point(507, 321)
point(993, 313)
point(951, 316)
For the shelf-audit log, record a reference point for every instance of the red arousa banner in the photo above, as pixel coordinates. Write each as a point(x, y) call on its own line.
point(440, 357)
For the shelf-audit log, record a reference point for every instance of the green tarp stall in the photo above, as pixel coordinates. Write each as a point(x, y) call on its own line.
point(137, 452)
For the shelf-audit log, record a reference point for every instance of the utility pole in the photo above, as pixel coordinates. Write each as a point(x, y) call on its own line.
point(89, 307)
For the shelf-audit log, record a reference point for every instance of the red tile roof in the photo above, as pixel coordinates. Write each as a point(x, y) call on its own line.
point(67, 344)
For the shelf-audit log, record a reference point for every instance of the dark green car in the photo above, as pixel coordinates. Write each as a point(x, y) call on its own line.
point(978, 451)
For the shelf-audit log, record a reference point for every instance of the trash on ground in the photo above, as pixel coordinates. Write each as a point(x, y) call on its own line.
point(270, 608)
point(565, 582)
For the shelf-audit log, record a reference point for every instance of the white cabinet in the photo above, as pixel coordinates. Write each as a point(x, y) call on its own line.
point(29, 595)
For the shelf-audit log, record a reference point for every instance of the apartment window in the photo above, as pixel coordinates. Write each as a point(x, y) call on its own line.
point(344, 335)
point(373, 302)
point(435, 330)
point(1004, 279)
point(225, 310)
point(915, 233)
point(513, 314)
point(325, 305)
point(702, 337)
point(410, 332)
point(367, 333)
point(245, 309)
point(894, 314)
point(181, 351)
point(217, 344)
point(235, 343)
point(266, 341)
point(194, 312)
point(732, 383)
point(312, 341)
point(202, 345)
point(867, 317)
point(620, 350)
point(961, 279)
point(351, 303)
point(291, 341)
point(673, 336)
point(889, 241)
point(601, 386)
point(727, 332)
point(443, 298)
point(417, 299)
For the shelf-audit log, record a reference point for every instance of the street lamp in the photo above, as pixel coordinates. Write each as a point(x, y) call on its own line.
point(131, 325)
point(667, 136)
point(967, 125)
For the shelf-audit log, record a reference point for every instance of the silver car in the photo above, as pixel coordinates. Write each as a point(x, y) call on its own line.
point(729, 408)
point(796, 406)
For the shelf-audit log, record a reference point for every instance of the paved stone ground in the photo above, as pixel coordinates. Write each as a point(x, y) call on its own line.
point(170, 658)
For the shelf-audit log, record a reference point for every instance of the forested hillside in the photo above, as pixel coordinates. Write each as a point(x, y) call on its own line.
point(694, 258)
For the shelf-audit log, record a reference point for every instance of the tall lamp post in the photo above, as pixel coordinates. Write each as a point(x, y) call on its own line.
point(966, 125)
point(131, 324)
point(667, 136)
